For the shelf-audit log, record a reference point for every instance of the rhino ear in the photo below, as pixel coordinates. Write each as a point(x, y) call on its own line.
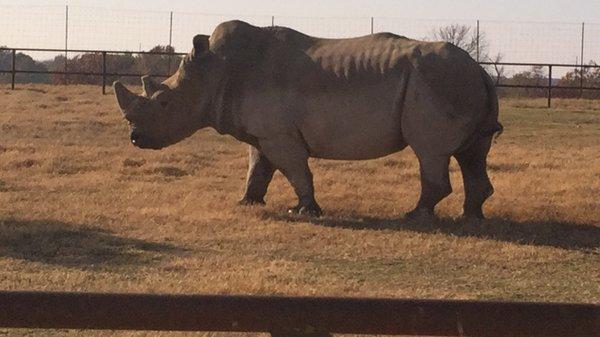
point(201, 45)
point(124, 96)
point(150, 86)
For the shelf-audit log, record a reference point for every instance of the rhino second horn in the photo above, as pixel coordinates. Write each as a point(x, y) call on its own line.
point(150, 86)
point(124, 96)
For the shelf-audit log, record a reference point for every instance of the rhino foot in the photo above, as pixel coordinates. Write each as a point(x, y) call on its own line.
point(473, 213)
point(471, 218)
point(419, 213)
point(311, 209)
point(246, 201)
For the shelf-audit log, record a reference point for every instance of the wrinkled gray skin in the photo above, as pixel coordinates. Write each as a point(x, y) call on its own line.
point(291, 96)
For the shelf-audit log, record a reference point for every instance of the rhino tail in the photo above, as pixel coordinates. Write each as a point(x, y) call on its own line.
point(491, 125)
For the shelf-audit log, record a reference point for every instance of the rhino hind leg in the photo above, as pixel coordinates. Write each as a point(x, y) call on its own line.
point(435, 183)
point(260, 173)
point(291, 158)
point(478, 188)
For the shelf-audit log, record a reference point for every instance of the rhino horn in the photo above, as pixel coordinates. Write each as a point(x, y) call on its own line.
point(150, 86)
point(201, 45)
point(124, 96)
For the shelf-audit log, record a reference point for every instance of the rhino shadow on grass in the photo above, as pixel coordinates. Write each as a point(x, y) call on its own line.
point(85, 247)
point(544, 233)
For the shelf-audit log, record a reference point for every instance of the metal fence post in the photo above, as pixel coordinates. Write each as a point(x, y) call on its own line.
point(14, 69)
point(103, 73)
point(372, 24)
point(170, 42)
point(478, 40)
point(272, 20)
point(66, 40)
point(171, 29)
point(581, 68)
point(549, 86)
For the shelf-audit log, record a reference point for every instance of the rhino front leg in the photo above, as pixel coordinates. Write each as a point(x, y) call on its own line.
point(290, 156)
point(435, 184)
point(260, 173)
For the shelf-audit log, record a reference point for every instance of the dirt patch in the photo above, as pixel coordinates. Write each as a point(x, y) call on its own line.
point(131, 162)
point(508, 167)
point(167, 171)
point(27, 163)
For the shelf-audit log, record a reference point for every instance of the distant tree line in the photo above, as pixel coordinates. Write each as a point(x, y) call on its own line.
point(478, 47)
point(537, 75)
point(89, 62)
point(24, 62)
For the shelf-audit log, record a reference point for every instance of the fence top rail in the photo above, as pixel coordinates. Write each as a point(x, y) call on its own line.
point(561, 87)
point(566, 65)
point(92, 51)
point(81, 73)
point(414, 317)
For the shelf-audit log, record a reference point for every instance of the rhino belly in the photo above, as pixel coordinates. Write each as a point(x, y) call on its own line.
point(352, 125)
point(356, 143)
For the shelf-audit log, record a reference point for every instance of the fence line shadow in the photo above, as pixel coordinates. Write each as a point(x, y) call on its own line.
point(76, 246)
point(564, 235)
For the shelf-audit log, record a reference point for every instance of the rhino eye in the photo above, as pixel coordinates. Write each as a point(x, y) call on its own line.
point(163, 104)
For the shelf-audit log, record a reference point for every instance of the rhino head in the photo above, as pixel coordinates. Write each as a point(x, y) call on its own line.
point(168, 112)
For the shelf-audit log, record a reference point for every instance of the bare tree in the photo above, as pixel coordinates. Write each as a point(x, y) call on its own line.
point(475, 44)
point(497, 68)
point(463, 37)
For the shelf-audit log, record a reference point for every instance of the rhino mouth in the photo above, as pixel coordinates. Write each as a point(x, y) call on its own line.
point(143, 142)
point(147, 145)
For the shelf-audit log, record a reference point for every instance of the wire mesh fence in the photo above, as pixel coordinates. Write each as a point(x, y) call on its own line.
point(108, 29)
point(591, 42)
point(39, 26)
point(420, 29)
point(327, 27)
point(81, 27)
point(186, 25)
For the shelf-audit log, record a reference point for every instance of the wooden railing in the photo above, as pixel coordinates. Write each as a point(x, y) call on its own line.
point(296, 316)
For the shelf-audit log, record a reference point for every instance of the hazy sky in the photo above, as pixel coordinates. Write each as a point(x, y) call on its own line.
point(542, 31)
point(528, 10)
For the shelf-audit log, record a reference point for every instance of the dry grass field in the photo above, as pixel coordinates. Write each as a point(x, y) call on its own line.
point(83, 210)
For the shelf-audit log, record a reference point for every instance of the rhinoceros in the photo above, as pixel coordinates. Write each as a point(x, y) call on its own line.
point(291, 97)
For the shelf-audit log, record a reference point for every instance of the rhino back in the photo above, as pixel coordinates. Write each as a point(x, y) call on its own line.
point(344, 93)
